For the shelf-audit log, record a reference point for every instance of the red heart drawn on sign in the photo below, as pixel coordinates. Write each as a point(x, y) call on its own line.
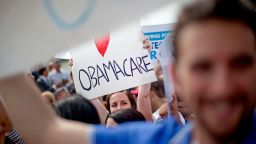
point(102, 44)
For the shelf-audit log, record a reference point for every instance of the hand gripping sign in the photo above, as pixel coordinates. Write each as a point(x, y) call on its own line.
point(114, 62)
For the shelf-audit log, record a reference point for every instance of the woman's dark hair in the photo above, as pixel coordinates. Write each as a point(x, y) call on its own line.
point(77, 108)
point(126, 115)
point(227, 10)
point(129, 95)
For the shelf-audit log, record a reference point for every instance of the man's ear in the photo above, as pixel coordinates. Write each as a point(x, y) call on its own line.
point(174, 77)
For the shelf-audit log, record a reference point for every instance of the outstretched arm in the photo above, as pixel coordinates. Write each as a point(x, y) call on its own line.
point(34, 118)
point(102, 111)
point(143, 101)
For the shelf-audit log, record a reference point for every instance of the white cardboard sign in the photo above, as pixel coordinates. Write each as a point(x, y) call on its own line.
point(32, 31)
point(63, 55)
point(121, 64)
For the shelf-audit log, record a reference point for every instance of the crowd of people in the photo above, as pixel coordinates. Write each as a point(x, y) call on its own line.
point(214, 98)
point(145, 103)
point(54, 79)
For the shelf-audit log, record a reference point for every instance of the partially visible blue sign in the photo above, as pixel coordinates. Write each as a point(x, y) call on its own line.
point(156, 34)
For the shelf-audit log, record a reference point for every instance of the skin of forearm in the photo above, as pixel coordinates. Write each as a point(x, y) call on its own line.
point(26, 109)
point(102, 111)
point(34, 118)
point(143, 101)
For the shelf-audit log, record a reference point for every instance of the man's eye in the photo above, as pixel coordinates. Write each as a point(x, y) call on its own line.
point(242, 62)
point(201, 67)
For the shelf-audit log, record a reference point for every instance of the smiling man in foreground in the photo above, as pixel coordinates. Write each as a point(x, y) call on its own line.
point(214, 70)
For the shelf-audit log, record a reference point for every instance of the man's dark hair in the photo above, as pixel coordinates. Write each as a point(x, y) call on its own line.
point(228, 10)
point(158, 88)
point(42, 70)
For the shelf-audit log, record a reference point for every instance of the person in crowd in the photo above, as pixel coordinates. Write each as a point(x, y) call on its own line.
point(120, 100)
point(122, 116)
point(214, 70)
point(35, 71)
point(184, 109)
point(77, 108)
point(158, 101)
point(157, 95)
point(59, 77)
point(124, 100)
point(49, 97)
point(178, 109)
point(174, 111)
point(43, 82)
point(70, 85)
point(8, 134)
point(61, 93)
point(157, 98)
point(50, 67)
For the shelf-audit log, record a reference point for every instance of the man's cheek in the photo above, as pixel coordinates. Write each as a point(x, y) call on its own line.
point(196, 92)
point(191, 99)
point(249, 87)
point(252, 93)
point(247, 80)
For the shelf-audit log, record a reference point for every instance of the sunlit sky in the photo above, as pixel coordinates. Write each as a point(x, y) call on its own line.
point(164, 15)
